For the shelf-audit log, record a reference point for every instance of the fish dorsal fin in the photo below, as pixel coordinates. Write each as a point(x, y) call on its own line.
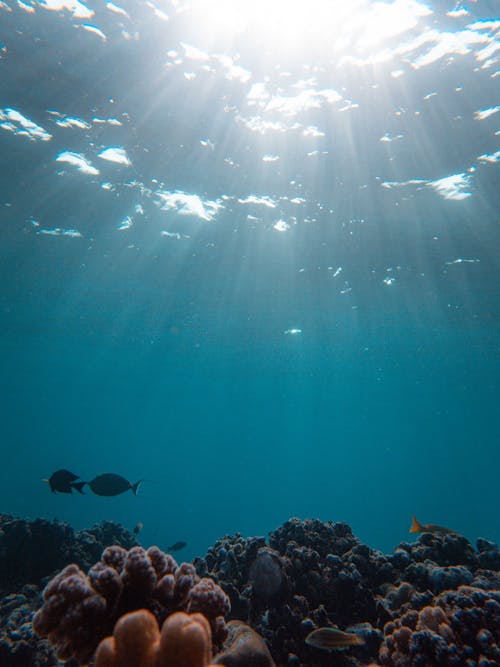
point(78, 486)
point(416, 526)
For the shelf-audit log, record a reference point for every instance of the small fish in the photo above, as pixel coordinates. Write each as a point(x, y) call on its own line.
point(137, 528)
point(63, 481)
point(177, 546)
point(110, 484)
point(332, 639)
point(417, 527)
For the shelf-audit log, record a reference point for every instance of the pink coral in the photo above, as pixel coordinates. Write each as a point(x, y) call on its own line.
point(185, 641)
point(459, 627)
point(79, 610)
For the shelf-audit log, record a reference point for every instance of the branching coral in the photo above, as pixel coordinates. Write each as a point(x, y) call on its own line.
point(461, 627)
point(448, 549)
point(18, 646)
point(79, 610)
point(325, 538)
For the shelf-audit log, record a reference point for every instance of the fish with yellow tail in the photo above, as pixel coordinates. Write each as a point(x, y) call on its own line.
point(417, 527)
point(333, 639)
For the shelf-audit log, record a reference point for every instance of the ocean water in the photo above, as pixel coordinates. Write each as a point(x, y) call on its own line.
point(250, 254)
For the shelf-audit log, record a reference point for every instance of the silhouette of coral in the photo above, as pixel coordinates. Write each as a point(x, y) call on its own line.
point(437, 578)
point(324, 537)
point(489, 554)
point(79, 610)
point(32, 550)
point(451, 549)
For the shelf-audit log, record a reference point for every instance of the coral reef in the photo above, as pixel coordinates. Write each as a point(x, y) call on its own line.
point(320, 575)
point(18, 646)
point(184, 641)
point(432, 601)
point(489, 555)
point(229, 562)
point(244, 647)
point(451, 549)
point(315, 574)
point(459, 627)
point(32, 550)
point(79, 610)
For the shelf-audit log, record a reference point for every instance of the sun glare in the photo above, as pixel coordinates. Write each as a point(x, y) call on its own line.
point(297, 24)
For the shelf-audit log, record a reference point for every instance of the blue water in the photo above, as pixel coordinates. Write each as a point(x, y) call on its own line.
point(333, 358)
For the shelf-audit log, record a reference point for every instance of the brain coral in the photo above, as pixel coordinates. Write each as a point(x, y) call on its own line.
point(79, 610)
point(460, 627)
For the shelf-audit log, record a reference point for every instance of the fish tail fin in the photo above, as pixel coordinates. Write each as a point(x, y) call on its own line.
point(79, 486)
point(416, 526)
point(135, 486)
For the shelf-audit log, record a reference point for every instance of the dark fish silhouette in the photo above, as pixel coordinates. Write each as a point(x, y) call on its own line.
point(177, 546)
point(63, 481)
point(333, 639)
point(417, 527)
point(137, 528)
point(110, 484)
